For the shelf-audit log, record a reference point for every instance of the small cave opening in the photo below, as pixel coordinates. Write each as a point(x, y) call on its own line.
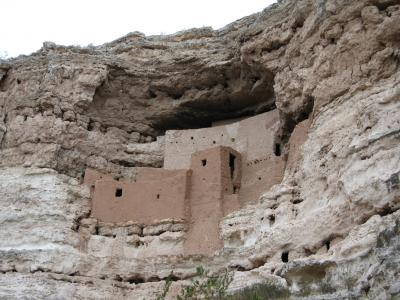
point(271, 219)
point(327, 245)
point(135, 280)
point(277, 149)
point(152, 94)
point(204, 162)
point(285, 256)
point(90, 126)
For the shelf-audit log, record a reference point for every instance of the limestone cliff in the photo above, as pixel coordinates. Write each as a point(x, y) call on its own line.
point(330, 230)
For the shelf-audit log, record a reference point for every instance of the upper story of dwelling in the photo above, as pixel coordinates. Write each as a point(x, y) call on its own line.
point(261, 165)
point(252, 137)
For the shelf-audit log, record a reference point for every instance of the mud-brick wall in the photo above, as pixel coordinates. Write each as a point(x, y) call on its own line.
point(144, 201)
point(253, 138)
point(206, 196)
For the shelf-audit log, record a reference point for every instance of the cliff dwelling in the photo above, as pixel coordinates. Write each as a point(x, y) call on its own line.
point(267, 150)
point(207, 174)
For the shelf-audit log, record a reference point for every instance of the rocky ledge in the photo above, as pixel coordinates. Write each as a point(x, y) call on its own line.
point(330, 230)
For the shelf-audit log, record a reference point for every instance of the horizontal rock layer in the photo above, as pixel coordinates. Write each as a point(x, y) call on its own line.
point(332, 65)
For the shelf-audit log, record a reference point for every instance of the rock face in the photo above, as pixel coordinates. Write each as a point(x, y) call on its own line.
point(329, 230)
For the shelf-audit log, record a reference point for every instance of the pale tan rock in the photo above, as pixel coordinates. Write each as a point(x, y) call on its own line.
point(331, 64)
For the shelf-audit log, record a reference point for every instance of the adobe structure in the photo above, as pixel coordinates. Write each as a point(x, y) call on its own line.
point(207, 174)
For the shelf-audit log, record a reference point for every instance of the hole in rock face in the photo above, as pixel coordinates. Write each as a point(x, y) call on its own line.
point(118, 192)
point(204, 162)
point(271, 219)
point(90, 126)
point(158, 196)
point(18, 81)
point(135, 280)
point(152, 94)
point(285, 256)
point(328, 245)
point(277, 149)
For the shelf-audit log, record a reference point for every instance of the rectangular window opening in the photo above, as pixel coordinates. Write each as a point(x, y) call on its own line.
point(118, 192)
point(232, 163)
point(204, 162)
point(285, 256)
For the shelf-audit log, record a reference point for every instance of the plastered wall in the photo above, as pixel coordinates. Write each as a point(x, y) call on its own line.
point(252, 137)
point(143, 201)
point(212, 180)
point(201, 196)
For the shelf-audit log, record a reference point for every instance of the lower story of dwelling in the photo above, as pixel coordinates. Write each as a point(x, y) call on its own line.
point(132, 240)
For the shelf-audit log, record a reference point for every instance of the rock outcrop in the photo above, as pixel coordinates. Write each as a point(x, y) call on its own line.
point(330, 230)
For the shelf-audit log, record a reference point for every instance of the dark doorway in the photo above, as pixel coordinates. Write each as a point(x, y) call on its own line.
point(232, 162)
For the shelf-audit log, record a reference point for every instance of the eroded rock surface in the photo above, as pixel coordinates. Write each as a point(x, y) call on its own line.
point(331, 69)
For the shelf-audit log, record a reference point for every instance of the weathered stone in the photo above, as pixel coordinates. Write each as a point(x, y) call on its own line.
point(335, 216)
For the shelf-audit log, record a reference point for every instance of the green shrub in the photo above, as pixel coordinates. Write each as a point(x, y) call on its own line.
point(205, 287)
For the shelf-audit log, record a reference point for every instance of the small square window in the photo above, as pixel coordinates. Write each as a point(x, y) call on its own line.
point(118, 192)
point(204, 162)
